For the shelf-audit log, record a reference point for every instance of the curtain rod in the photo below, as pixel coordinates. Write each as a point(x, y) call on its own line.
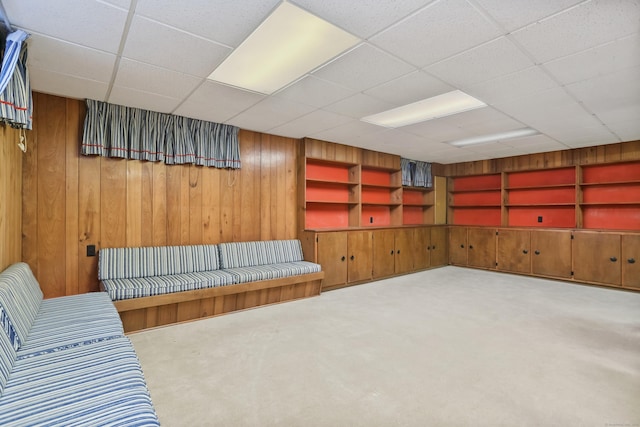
point(5, 18)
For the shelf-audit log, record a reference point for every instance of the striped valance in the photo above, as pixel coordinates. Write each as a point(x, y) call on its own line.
point(416, 173)
point(116, 131)
point(16, 102)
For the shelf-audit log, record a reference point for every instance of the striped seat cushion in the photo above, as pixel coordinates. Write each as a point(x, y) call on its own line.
point(272, 271)
point(120, 289)
point(94, 385)
point(129, 263)
point(249, 254)
point(7, 352)
point(20, 299)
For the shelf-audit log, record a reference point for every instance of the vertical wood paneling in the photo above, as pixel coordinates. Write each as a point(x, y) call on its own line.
point(113, 203)
point(73, 134)
point(133, 205)
point(146, 237)
point(195, 202)
point(11, 170)
point(159, 204)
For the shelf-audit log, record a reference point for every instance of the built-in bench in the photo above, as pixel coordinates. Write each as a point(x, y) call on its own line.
point(153, 286)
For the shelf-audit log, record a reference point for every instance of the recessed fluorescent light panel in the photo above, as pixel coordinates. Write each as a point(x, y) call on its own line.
point(288, 44)
point(431, 108)
point(496, 137)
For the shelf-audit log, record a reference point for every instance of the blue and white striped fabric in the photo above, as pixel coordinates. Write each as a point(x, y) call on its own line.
point(128, 263)
point(16, 102)
point(7, 352)
point(405, 167)
point(120, 289)
point(422, 175)
point(272, 271)
point(250, 254)
point(20, 299)
point(94, 385)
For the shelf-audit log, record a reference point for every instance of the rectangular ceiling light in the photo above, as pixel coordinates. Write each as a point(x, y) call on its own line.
point(288, 44)
point(496, 137)
point(431, 108)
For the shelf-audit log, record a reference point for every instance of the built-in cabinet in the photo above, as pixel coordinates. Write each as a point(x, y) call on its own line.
point(551, 253)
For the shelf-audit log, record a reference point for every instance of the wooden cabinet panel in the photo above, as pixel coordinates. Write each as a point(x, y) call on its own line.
point(514, 251)
point(631, 261)
point(332, 256)
point(596, 257)
point(404, 256)
point(458, 245)
point(482, 247)
point(551, 253)
point(359, 245)
point(421, 248)
point(383, 253)
point(438, 251)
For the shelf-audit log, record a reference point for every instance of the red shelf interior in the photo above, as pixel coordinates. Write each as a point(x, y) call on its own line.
point(617, 172)
point(611, 217)
point(542, 196)
point(329, 192)
point(552, 216)
point(542, 177)
point(412, 197)
point(327, 171)
point(477, 199)
point(478, 182)
point(477, 216)
point(412, 215)
point(376, 195)
point(627, 193)
point(381, 215)
point(327, 216)
point(375, 177)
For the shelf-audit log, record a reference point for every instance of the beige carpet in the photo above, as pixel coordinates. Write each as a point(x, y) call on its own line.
point(446, 347)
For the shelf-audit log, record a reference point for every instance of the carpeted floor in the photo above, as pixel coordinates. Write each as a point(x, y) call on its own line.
point(445, 347)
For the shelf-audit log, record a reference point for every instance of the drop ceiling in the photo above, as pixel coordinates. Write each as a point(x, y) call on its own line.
point(568, 68)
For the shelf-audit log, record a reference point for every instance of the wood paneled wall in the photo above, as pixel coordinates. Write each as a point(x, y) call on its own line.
point(10, 199)
point(71, 201)
point(577, 156)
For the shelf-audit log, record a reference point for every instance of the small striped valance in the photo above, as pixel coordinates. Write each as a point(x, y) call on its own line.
point(416, 173)
point(116, 131)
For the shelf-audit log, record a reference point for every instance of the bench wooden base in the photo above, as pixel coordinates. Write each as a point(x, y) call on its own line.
point(159, 310)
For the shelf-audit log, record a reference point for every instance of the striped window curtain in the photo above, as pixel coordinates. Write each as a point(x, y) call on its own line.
point(422, 176)
point(116, 131)
point(16, 102)
point(405, 166)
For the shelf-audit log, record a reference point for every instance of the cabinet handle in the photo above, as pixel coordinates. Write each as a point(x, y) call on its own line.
point(398, 251)
point(462, 246)
point(343, 258)
point(428, 248)
point(524, 251)
point(352, 257)
point(433, 247)
point(391, 252)
point(613, 259)
point(631, 261)
point(470, 246)
point(537, 252)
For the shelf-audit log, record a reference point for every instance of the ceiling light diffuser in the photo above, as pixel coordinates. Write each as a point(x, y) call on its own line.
point(431, 108)
point(287, 45)
point(496, 137)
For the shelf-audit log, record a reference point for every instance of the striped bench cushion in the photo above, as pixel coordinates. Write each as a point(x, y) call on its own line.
point(272, 271)
point(7, 352)
point(129, 263)
point(20, 299)
point(120, 289)
point(249, 254)
point(94, 385)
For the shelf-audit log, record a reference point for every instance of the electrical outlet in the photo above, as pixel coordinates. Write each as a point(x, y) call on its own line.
point(370, 220)
point(91, 250)
point(539, 219)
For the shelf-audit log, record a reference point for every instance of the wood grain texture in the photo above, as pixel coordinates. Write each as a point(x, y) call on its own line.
point(10, 197)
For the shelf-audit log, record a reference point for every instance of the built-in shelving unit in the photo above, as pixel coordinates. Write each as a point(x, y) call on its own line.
point(475, 200)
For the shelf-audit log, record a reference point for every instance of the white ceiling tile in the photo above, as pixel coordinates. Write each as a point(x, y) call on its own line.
point(269, 113)
point(314, 122)
point(437, 130)
point(315, 92)
point(494, 59)
point(628, 130)
point(591, 135)
point(227, 22)
point(217, 103)
point(100, 26)
point(147, 78)
point(535, 143)
point(601, 60)
point(123, 4)
point(514, 14)
point(359, 106)
point(589, 141)
point(409, 88)
point(145, 100)
point(363, 67)
point(68, 58)
point(483, 121)
point(440, 30)
point(520, 84)
point(46, 81)
point(363, 17)
point(580, 28)
point(348, 132)
point(159, 45)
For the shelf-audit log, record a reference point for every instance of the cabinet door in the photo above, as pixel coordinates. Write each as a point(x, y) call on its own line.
point(482, 247)
point(458, 245)
point(596, 257)
point(404, 257)
point(383, 253)
point(631, 261)
point(359, 245)
point(421, 248)
point(514, 251)
point(438, 246)
point(332, 256)
point(551, 253)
